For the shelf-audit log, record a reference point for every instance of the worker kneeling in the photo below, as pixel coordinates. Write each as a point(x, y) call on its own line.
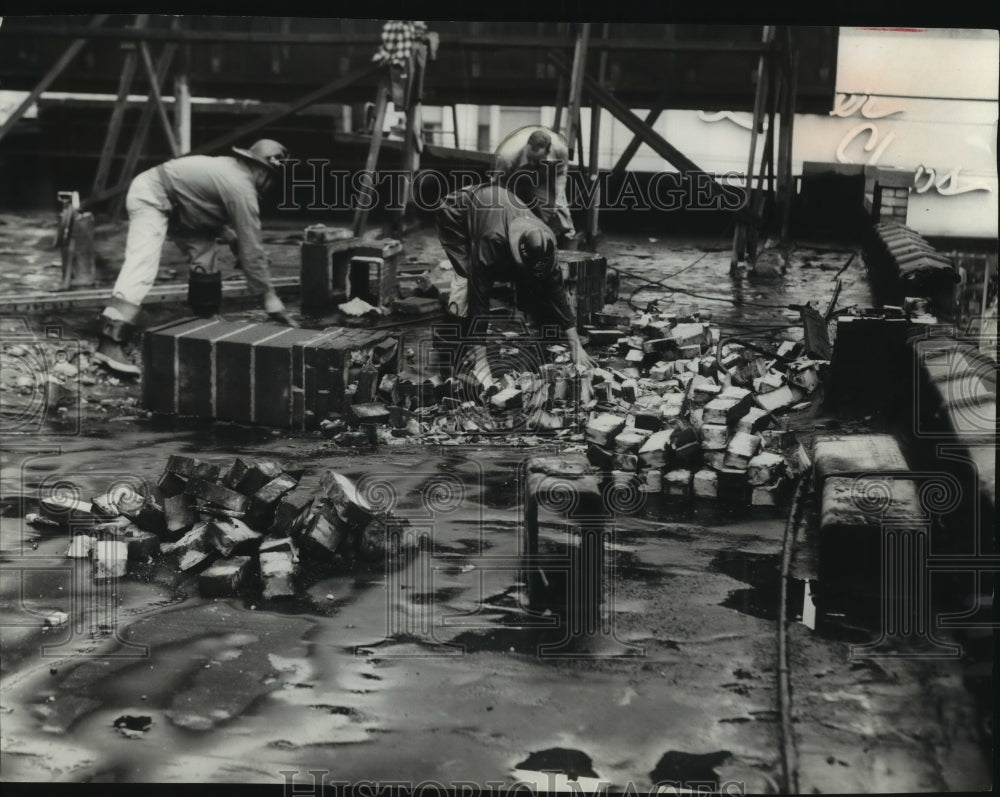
point(491, 236)
point(193, 198)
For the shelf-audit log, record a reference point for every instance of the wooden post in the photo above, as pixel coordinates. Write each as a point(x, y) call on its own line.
point(413, 133)
point(118, 111)
point(57, 69)
point(594, 159)
point(139, 139)
point(454, 124)
point(182, 103)
point(758, 192)
point(739, 234)
point(247, 129)
point(157, 98)
point(576, 86)
point(788, 119)
point(368, 190)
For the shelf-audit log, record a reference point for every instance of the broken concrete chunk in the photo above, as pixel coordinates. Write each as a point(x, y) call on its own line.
point(770, 381)
point(852, 455)
point(179, 514)
point(705, 484)
point(170, 484)
point(714, 459)
point(653, 483)
point(192, 549)
point(121, 500)
point(110, 560)
point(630, 440)
point(741, 449)
point(732, 486)
point(188, 467)
point(80, 547)
point(600, 457)
point(507, 399)
point(603, 428)
point(765, 468)
point(282, 544)
point(723, 411)
point(349, 505)
point(702, 390)
point(224, 579)
point(233, 474)
point(625, 462)
point(686, 446)
point(66, 511)
point(661, 371)
point(277, 572)
point(217, 495)
point(697, 417)
point(229, 536)
point(690, 335)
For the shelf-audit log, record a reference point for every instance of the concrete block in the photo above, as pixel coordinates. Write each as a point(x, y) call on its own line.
point(770, 381)
point(714, 459)
point(706, 484)
point(125, 500)
point(769, 494)
point(261, 509)
point(690, 335)
point(110, 560)
point(255, 476)
point(189, 467)
point(508, 399)
point(655, 449)
point(650, 420)
point(625, 462)
point(67, 511)
point(804, 374)
point(80, 547)
point(634, 356)
point(603, 428)
point(323, 535)
point(291, 512)
point(724, 411)
point(230, 535)
point(732, 486)
point(697, 417)
point(191, 550)
point(368, 413)
point(217, 495)
point(765, 468)
point(741, 449)
point(630, 440)
point(599, 457)
point(281, 544)
point(341, 494)
point(702, 390)
point(179, 513)
point(673, 406)
point(756, 420)
point(170, 484)
point(714, 436)
point(224, 579)
point(779, 399)
point(277, 573)
point(602, 337)
point(852, 455)
point(653, 481)
point(686, 447)
point(141, 544)
point(677, 484)
point(661, 371)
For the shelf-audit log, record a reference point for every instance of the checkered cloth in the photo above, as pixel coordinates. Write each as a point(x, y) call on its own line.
point(398, 38)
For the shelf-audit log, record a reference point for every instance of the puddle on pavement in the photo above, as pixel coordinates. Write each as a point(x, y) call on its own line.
point(676, 767)
point(763, 572)
point(571, 763)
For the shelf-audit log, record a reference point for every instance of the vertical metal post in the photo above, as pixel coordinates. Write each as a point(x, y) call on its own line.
point(157, 98)
point(367, 193)
point(576, 86)
point(182, 102)
point(594, 158)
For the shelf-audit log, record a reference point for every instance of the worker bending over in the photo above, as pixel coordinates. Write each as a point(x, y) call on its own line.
point(193, 198)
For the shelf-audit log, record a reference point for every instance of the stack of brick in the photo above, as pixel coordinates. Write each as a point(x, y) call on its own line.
point(258, 373)
point(237, 527)
point(903, 264)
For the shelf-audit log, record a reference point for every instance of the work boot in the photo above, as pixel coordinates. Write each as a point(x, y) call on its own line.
point(110, 352)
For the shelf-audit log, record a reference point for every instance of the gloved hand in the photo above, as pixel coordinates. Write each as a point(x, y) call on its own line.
point(283, 317)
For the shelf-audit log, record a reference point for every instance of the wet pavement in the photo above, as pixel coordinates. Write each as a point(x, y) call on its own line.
point(433, 670)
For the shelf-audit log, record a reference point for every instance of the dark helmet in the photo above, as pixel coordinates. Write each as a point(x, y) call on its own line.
point(531, 241)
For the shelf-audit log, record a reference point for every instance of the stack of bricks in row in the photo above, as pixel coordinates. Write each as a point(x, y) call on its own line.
point(903, 264)
point(865, 488)
point(256, 373)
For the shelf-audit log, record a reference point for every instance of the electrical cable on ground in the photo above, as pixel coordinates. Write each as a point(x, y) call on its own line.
point(788, 756)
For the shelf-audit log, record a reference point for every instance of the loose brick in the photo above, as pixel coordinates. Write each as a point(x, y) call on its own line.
point(324, 535)
point(780, 398)
point(67, 511)
point(257, 475)
point(625, 462)
point(191, 550)
point(765, 468)
point(741, 449)
point(852, 455)
point(714, 436)
point(706, 484)
point(224, 579)
point(291, 512)
point(686, 447)
point(188, 467)
point(630, 440)
point(732, 486)
point(769, 494)
point(677, 484)
point(179, 513)
point(756, 420)
point(655, 449)
point(368, 413)
point(81, 546)
point(277, 572)
point(770, 381)
point(508, 398)
point(141, 544)
point(110, 560)
point(603, 428)
point(170, 485)
point(229, 536)
point(234, 473)
point(217, 495)
point(653, 481)
point(260, 511)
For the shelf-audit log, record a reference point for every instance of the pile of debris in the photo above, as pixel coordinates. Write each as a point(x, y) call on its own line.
point(251, 521)
point(671, 403)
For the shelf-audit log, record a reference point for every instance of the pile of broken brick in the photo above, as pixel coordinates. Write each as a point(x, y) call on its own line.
point(671, 405)
point(248, 523)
